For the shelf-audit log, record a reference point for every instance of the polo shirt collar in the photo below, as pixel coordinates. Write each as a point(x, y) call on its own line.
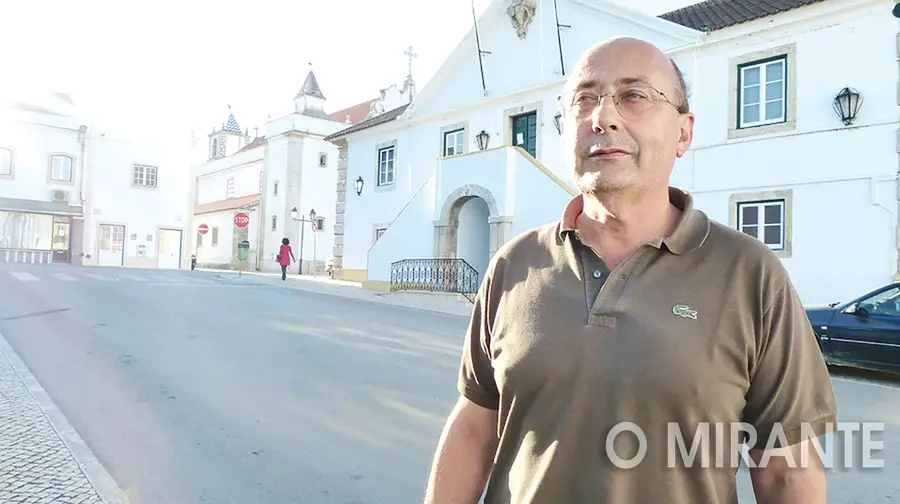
point(690, 231)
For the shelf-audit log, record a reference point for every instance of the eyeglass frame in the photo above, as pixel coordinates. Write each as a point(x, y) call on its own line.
point(601, 96)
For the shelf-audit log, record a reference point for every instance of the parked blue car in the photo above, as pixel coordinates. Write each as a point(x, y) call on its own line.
point(863, 333)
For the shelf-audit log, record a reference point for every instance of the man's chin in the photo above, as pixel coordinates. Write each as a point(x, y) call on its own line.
point(598, 182)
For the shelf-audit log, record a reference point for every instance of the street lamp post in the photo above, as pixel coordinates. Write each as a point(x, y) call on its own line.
point(302, 220)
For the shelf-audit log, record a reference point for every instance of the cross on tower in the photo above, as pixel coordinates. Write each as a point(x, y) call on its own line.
point(409, 52)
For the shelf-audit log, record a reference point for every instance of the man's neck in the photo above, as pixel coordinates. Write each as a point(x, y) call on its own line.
point(616, 225)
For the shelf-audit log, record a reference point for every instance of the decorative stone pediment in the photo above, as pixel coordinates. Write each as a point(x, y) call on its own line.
point(521, 13)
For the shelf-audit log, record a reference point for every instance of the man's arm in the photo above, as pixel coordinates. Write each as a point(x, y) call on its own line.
point(790, 394)
point(790, 475)
point(467, 446)
point(464, 457)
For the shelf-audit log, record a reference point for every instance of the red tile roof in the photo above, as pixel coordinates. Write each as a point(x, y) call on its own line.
point(357, 113)
point(227, 204)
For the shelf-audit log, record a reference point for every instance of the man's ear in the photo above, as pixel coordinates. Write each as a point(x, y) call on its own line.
point(686, 133)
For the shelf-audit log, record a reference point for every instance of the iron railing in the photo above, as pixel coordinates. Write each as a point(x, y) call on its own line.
point(435, 275)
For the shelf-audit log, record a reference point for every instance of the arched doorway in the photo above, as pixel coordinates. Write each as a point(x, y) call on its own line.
point(470, 227)
point(473, 237)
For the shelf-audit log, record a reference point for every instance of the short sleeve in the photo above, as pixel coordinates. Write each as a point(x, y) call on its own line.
point(476, 373)
point(791, 387)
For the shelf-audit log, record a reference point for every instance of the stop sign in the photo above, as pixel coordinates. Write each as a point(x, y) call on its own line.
point(241, 219)
point(202, 229)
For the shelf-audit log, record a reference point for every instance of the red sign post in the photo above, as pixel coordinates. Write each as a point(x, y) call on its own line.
point(241, 220)
point(203, 229)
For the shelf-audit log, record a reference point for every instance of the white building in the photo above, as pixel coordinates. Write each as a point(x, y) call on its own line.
point(71, 195)
point(266, 177)
point(476, 158)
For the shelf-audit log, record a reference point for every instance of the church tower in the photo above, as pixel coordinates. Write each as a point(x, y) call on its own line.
point(228, 139)
point(309, 100)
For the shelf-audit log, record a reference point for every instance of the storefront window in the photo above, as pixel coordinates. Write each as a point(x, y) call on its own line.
point(25, 231)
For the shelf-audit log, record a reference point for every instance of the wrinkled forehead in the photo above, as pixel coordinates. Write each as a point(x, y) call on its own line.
point(621, 64)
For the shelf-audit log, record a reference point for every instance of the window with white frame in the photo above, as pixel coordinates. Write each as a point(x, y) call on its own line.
point(379, 232)
point(61, 168)
point(144, 176)
point(274, 223)
point(229, 188)
point(386, 166)
point(5, 162)
point(323, 160)
point(454, 142)
point(275, 189)
point(763, 220)
point(762, 87)
point(215, 236)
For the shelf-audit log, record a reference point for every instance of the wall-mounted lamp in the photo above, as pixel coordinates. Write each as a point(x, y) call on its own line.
point(556, 119)
point(482, 139)
point(846, 105)
point(359, 185)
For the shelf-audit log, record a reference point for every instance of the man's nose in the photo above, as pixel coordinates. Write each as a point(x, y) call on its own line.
point(606, 116)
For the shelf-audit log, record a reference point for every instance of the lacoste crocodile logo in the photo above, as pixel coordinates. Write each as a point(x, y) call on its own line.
point(684, 311)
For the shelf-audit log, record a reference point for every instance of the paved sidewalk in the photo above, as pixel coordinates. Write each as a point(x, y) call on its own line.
point(438, 302)
point(42, 459)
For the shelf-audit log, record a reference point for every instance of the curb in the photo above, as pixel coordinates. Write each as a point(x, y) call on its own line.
point(102, 482)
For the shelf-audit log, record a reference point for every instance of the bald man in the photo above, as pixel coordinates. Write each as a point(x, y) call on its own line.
point(602, 346)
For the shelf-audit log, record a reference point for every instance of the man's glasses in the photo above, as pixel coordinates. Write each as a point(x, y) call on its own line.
point(631, 102)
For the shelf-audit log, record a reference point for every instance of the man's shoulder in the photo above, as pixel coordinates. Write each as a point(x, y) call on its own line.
point(533, 246)
point(537, 240)
point(746, 254)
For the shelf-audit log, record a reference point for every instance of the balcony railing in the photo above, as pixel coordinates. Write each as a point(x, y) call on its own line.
point(435, 275)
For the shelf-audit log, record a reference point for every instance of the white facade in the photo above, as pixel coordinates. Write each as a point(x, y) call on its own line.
point(70, 195)
point(831, 187)
point(136, 206)
point(291, 166)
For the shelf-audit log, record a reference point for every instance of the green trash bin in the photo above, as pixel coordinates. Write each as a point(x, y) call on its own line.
point(243, 247)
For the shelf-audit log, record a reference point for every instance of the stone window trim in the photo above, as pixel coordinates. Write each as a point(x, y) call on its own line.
point(146, 171)
point(785, 196)
point(451, 128)
point(789, 53)
point(7, 151)
point(390, 186)
point(526, 108)
point(72, 177)
point(214, 232)
point(376, 227)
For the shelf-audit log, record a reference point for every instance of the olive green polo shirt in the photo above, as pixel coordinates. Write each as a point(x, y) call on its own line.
point(701, 326)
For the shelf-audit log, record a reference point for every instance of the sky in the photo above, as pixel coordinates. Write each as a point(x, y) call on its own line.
point(158, 70)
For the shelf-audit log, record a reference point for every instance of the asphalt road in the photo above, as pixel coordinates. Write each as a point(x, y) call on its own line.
point(192, 388)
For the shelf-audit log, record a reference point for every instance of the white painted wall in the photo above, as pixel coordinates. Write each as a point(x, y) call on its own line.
point(33, 139)
point(223, 251)
point(844, 198)
point(292, 160)
point(214, 186)
point(517, 64)
point(516, 184)
point(142, 210)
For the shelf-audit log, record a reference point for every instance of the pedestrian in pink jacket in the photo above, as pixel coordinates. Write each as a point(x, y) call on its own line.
point(285, 257)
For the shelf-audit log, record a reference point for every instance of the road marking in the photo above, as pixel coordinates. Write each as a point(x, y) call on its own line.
point(25, 277)
point(132, 277)
point(98, 277)
point(64, 277)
